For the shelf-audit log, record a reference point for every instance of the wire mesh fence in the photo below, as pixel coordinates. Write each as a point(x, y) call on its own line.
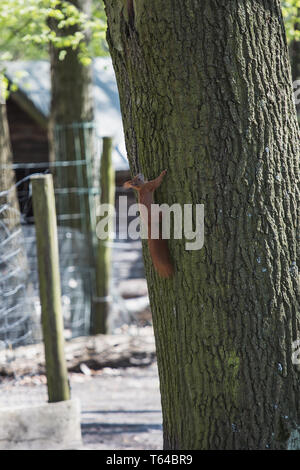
point(77, 196)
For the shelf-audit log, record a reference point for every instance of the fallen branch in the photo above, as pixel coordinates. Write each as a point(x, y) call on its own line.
point(96, 352)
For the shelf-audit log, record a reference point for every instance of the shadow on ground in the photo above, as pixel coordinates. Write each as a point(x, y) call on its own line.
point(120, 408)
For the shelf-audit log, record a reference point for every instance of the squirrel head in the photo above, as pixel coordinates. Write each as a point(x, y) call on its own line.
point(136, 183)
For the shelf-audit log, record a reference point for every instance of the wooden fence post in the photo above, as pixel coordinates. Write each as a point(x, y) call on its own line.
point(103, 255)
point(49, 281)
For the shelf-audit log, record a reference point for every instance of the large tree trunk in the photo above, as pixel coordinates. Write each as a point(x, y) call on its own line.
point(205, 89)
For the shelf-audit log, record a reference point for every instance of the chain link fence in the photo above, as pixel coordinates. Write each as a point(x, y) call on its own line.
point(77, 196)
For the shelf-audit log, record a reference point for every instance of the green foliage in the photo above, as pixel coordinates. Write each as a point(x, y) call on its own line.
point(25, 31)
point(291, 15)
point(3, 88)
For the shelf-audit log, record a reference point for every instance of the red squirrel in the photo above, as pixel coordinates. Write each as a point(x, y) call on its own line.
point(158, 248)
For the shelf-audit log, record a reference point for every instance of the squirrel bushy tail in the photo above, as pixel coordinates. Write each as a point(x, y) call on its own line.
point(158, 248)
point(159, 252)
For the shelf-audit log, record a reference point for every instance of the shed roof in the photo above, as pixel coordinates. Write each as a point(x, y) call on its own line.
point(33, 78)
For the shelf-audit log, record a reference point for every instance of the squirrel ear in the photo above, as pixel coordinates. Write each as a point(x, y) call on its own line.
point(132, 184)
point(127, 184)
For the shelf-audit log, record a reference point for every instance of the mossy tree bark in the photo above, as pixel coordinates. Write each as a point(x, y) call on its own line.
point(205, 89)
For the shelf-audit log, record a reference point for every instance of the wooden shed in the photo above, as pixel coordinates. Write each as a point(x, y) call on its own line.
point(28, 111)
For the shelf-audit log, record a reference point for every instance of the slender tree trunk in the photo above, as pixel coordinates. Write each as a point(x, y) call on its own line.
point(10, 216)
point(15, 309)
point(295, 59)
point(7, 176)
point(72, 99)
point(70, 138)
point(205, 90)
point(295, 63)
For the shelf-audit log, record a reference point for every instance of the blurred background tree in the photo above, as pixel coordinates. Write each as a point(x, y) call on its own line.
point(27, 23)
point(290, 10)
point(291, 13)
point(68, 34)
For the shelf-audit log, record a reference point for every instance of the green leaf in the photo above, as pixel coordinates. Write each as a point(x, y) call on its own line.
point(62, 54)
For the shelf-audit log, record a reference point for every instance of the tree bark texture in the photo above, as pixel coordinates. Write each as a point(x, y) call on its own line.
point(205, 90)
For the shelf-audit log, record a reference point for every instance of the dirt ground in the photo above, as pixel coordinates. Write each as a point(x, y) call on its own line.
point(120, 408)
